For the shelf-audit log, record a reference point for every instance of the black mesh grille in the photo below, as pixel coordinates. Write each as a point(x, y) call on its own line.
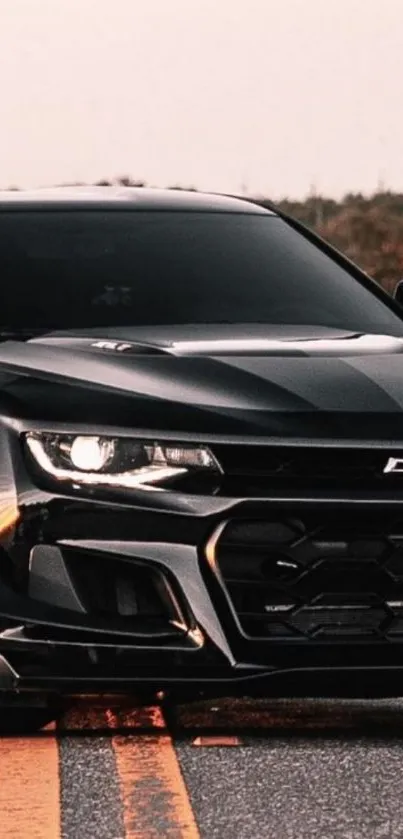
point(322, 576)
point(287, 469)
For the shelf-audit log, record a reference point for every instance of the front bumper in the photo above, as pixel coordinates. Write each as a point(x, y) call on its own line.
point(61, 633)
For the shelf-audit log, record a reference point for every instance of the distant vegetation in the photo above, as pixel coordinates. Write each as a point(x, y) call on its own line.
point(368, 229)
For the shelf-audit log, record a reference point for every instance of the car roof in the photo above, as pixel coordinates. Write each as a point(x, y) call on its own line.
point(120, 197)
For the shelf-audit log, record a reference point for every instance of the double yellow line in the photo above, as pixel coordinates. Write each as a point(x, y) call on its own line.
point(149, 776)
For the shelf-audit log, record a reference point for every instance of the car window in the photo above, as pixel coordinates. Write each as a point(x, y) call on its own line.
point(90, 268)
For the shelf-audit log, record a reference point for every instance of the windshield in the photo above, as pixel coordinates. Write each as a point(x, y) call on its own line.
point(75, 269)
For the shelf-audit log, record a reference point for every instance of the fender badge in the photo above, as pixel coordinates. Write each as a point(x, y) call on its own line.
point(394, 464)
point(117, 346)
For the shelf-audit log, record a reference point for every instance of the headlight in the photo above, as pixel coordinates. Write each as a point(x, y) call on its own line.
point(116, 461)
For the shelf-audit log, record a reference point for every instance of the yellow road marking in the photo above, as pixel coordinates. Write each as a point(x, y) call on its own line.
point(217, 740)
point(154, 795)
point(29, 788)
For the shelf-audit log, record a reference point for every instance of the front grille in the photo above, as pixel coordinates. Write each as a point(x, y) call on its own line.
point(333, 576)
point(263, 470)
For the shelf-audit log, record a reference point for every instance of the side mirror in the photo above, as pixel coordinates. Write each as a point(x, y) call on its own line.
point(398, 292)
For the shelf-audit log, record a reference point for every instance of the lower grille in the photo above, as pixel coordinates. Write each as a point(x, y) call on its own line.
point(332, 577)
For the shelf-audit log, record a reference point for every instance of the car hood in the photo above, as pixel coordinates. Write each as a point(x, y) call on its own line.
point(294, 382)
point(224, 339)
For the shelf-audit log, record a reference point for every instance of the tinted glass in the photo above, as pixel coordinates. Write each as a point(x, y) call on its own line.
point(93, 268)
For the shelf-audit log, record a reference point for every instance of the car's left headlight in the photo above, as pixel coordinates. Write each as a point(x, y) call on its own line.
point(91, 460)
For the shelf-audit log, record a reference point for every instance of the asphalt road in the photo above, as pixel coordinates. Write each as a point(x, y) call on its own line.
point(218, 770)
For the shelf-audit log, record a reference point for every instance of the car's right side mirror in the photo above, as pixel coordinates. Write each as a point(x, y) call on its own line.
point(398, 292)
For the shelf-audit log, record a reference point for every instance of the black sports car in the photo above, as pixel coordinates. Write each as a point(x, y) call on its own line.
point(201, 433)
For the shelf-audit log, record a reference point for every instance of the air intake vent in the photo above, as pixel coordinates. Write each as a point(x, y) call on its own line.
point(127, 594)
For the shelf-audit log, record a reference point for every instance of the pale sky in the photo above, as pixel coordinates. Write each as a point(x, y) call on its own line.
point(277, 95)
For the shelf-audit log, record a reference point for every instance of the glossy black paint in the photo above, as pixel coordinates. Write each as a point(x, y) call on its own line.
point(223, 386)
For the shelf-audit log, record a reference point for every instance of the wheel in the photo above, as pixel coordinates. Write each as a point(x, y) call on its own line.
point(25, 716)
